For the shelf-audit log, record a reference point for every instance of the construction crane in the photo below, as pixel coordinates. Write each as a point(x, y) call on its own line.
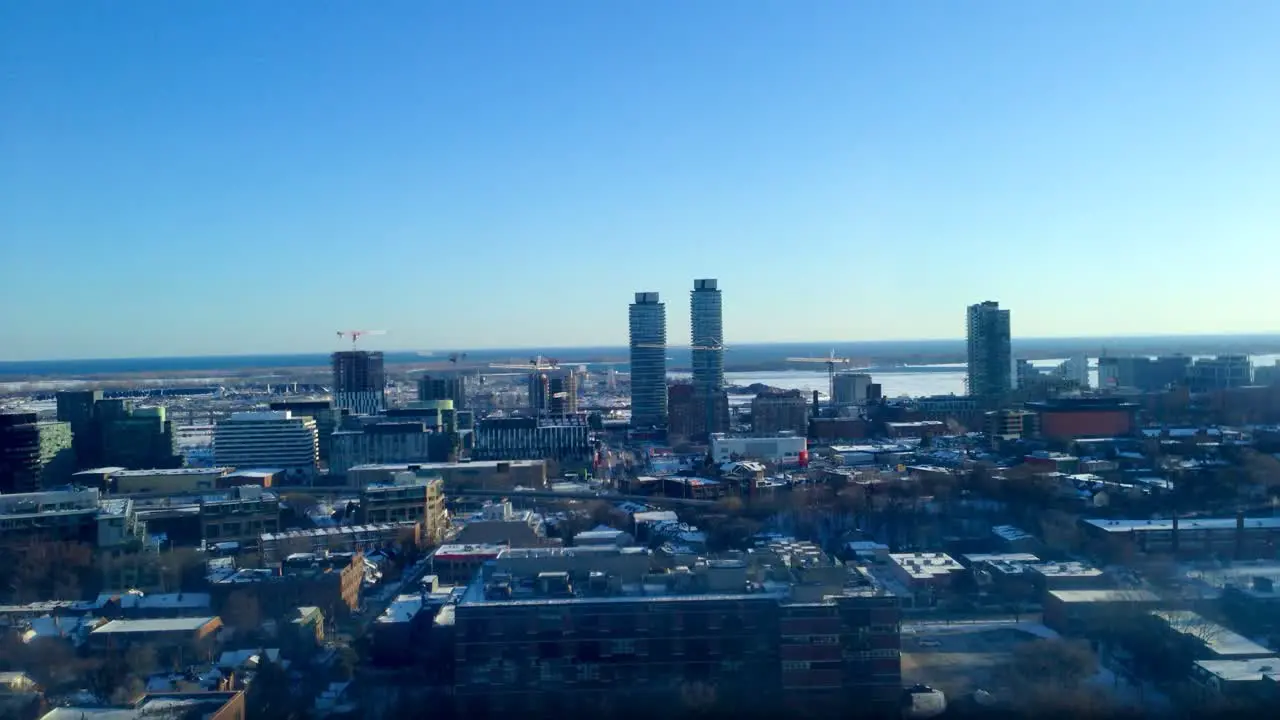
point(357, 334)
point(535, 364)
point(830, 361)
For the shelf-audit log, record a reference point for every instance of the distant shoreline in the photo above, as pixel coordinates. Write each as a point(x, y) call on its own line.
point(738, 358)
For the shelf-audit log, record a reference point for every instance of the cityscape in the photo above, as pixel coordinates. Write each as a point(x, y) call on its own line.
point(478, 538)
point(512, 360)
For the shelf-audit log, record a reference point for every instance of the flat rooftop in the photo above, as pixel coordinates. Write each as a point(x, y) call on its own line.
point(175, 472)
point(1252, 670)
point(1220, 640)
point(152, 626)
point(475, 464)
point(1104, 596)
point(1166, 524)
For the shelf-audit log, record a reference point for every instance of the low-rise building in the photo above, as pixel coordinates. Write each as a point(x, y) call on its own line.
point(925, 575)
point(1240, 538)
point(1252, 680)
point(780, 450)
point(459, 563)
point(776, 412)
point(1096, 613)
point(329, 581)
point(180, 640)
point(165, 481)
point(566, 438)
point(692, 488)
point(73, 514)
point(341, 539)
point(479, 474)
point(409, 497)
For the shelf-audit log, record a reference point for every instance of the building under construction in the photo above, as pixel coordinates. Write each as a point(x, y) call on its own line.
point(359, 382)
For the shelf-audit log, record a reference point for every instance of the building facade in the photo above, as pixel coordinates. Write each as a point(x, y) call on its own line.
point(444, 386)
point(553, 392)
point(648, 328)
point(389, 442)
point(990, 353)
point(359, 382)
point(776, 412)
point(322, 411)
point(409, 497)
point(563, 439)
point(706, 324)
point(274, 439)
point(851, 389)
point(1220, 373)
point(33, 454)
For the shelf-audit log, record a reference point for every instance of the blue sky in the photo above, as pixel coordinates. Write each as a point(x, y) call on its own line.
point(248, 177)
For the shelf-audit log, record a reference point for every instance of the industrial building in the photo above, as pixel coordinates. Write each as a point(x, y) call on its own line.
point(275, 439)
point(359, 382)
point(1065, 419)
point(1237, 537)
point(851, 389)
point(780, 450)
point(648, 340)
point(990, 353)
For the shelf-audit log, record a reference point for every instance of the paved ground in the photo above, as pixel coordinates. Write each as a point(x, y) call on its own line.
point(958, 660)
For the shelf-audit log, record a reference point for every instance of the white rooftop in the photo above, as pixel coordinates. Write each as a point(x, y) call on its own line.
point(1241, 670)
point(157, 625)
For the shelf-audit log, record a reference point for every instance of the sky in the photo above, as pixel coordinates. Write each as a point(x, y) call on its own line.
point(245, 177)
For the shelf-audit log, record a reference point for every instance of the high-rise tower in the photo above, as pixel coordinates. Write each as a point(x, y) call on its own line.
point(990, 351)
point(359, 382)
point(706, 323)
point(707, 336)
point(648, 323)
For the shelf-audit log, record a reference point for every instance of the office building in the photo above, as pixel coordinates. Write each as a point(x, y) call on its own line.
point(1267, 374)
point(1142, 373)
point(852, 389)
point(76, 407)
point(563, 439)
point(322, 411)
point(444, 386)
point(776, 412)
point(990, 352)
point(273, 439)
point(389, 442)
point(359, 382)
point(648, 326)
point(33, 454)
point(1220, 373)
point(112, 432)
point(706, 324)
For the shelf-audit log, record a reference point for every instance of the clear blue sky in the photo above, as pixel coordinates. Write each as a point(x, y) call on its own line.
point(248, 177)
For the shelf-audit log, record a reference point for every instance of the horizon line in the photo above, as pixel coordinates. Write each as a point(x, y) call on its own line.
point(548, 348)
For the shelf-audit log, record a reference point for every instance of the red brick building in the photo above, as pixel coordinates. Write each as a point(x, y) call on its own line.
point(1071, 418)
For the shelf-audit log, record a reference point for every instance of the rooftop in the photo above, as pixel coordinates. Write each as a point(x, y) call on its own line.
point(924, 565)
point(1228, 523)
point(1102, 596)
point(1221, 641)
point(477, 464)
point(170, 471)
point(157, 625)
point(1241, 670)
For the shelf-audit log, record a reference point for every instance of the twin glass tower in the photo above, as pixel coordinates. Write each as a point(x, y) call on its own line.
point(648, 324)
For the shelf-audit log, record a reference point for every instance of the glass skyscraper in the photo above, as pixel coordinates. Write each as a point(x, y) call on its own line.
point(990, 351)
point(648, 323)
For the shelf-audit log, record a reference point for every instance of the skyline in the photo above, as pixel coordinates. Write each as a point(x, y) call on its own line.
point(248, 178)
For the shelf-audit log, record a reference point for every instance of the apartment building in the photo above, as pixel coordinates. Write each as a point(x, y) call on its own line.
point(409, 497)
point(552, 629)
point(564, 439)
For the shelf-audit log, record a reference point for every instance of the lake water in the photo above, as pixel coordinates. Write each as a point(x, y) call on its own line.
point(941, 380)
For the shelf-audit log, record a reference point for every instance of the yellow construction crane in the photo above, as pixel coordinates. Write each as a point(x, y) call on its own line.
point(357, 334)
